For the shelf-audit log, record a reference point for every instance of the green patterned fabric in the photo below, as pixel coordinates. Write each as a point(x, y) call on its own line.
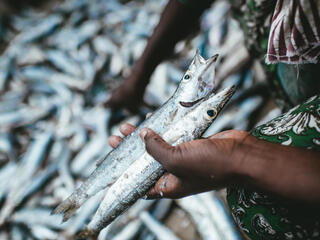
point(256, 214)
point(259, 216)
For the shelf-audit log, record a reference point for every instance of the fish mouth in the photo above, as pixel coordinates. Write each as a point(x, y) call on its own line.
point(190, 104)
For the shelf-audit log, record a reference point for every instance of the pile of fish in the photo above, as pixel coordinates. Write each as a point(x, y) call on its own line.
point(57, 68)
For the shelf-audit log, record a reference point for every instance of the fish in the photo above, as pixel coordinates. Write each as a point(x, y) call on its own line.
point(28, 166)
point(38, 216)
point(56, 66)
point(122, 228)
point(135, 182)
point(199, 215)
point(6, 172)
point(197, 83)
point(160, 211)
point(79, 221)
point(63, 166)
point(95, 147)
point(220, 218)
point(39, 231)
point(41, 29)
point(129, 231)
point(64, 63)
point(161, 232)
point(209, 216)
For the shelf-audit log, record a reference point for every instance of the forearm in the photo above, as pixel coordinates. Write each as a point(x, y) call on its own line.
point(284, 171)
point(176, 22)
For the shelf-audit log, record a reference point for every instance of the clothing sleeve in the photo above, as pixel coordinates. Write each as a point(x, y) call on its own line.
point(295, 32)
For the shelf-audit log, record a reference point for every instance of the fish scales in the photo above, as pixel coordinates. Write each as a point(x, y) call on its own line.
point(196, 84)
point(135, 182)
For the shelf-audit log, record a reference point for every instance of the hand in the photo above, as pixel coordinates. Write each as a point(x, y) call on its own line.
point(128, 95)
point(233, 158)
point(193, 167)
point(177, 21)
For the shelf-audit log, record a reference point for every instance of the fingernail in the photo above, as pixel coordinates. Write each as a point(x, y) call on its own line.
point(123, 127)
point(143, 133)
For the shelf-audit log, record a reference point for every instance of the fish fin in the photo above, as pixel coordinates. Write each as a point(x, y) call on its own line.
point(87, 233)
point(67, 207)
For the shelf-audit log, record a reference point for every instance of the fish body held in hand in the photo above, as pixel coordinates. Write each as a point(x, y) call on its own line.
point(196, 84)
point(135, 182)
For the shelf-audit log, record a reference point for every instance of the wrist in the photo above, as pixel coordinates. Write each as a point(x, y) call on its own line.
point(242, 166)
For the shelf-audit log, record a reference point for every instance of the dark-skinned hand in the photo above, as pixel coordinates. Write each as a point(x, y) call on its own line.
point(233, 158)
point(128, 95)
point(192, 167)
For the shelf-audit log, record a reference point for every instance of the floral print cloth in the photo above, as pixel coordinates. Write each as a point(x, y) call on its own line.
point(259, 216)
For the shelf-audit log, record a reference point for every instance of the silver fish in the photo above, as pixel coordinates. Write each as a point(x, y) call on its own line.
point(196, 84)
point(95, 147)
point(63, 166)
point(161, 232)
point(29, 164)
point(42, 232)
point(160, 211)
point(38, 216)
point(144, 172)
point(79, 221)
point(42, 29)
point(220, 218)
point(63, 62)
point(118, 227)
point(129, 231)
point(199, 215)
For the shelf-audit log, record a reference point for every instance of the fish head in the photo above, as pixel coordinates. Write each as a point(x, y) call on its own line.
point(213, 104)
point(198, 81)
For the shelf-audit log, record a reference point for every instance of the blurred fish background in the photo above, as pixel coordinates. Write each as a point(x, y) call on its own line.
point(59, 60)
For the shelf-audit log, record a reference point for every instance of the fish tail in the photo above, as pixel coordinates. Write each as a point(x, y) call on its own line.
point(67, 207)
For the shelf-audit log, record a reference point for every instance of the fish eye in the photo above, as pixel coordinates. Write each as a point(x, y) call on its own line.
point(212, 113)
point(187, 76)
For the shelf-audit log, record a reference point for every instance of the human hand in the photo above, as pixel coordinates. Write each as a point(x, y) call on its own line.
point(129, 94)
point(193, 167)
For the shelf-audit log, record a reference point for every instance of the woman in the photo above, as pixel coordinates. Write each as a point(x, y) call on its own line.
point(273, 172)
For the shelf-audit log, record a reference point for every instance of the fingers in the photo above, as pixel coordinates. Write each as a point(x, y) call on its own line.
point(167, 186)
point(114, 141)
point(171, 186)
point(182, 160)
point(159, 149)
point(126, 129)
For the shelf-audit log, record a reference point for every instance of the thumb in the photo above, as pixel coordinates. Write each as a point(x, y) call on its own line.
point(160, 150)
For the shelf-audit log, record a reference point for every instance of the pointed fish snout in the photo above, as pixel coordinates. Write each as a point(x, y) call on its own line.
point(226, 94)
point(213, 59)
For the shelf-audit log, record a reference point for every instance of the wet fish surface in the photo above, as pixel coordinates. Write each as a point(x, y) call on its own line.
point(196, 84)
point(144, 172)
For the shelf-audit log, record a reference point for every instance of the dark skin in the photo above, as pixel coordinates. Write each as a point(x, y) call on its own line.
point(232, 158)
